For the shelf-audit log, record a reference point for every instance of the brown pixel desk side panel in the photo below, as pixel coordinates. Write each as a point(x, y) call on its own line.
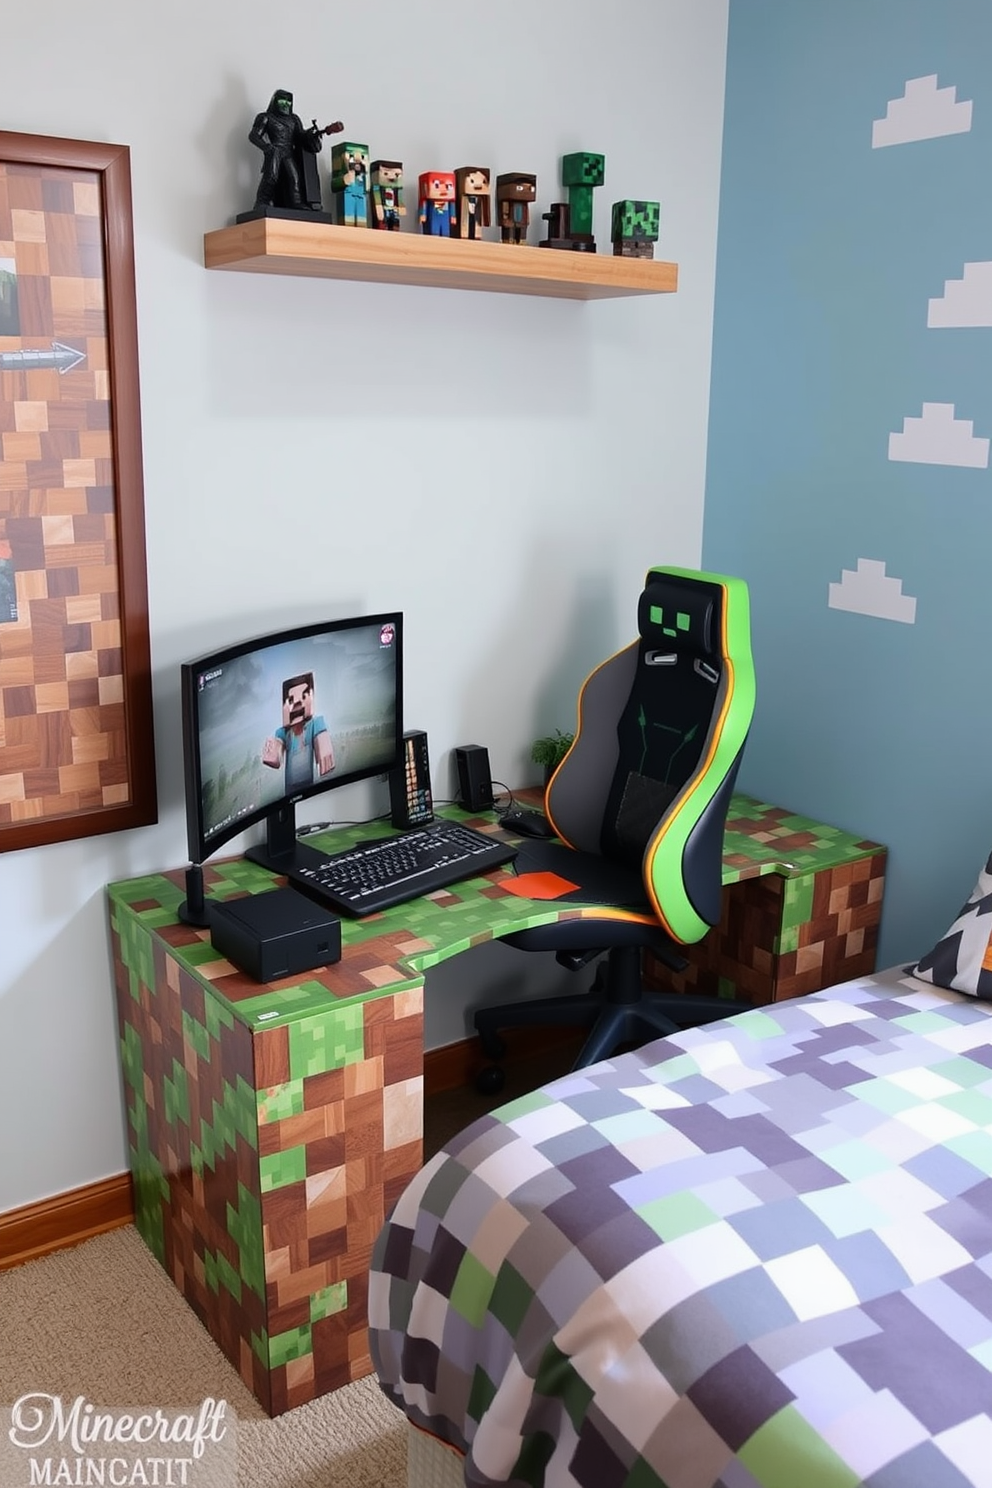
point(264, 1161)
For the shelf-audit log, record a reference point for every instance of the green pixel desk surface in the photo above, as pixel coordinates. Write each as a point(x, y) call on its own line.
point(395, 948)
point(271, 1127)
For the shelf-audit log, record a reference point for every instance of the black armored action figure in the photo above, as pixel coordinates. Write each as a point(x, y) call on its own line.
point(289, 179)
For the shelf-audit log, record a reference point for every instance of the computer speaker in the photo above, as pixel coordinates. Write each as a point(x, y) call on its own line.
point(475, 783)
point(410, 785)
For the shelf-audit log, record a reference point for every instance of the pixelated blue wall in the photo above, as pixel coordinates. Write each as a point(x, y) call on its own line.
point(849, 478)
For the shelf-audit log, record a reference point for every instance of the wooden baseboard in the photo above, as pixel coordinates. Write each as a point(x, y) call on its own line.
point(65, 1219)
point(54, 1224)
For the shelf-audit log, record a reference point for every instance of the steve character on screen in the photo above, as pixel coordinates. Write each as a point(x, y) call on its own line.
point(303, 737)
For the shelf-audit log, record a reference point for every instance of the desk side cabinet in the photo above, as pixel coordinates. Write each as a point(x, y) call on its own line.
point(802, 906)
point(264, 1159)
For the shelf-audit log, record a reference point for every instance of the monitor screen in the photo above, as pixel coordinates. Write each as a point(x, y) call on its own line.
point(277, 719)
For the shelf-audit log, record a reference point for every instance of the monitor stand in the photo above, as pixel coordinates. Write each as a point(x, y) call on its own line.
point(281, 852)
point(194, 909)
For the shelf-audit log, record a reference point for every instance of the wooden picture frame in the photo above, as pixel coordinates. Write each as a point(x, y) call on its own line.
point(76, 732)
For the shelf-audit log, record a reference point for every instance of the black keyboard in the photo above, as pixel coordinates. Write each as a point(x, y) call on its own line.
point(392, 870)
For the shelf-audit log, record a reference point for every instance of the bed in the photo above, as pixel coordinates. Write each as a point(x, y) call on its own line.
point(758, 1253)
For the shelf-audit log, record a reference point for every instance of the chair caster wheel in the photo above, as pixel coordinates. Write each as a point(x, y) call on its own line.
point(490, 1081)
point(492, 1045)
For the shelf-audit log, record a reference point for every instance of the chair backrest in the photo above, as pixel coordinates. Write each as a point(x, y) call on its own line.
point(661, 730)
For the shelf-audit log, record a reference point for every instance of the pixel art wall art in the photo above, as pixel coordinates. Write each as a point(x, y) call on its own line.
point(76, 739)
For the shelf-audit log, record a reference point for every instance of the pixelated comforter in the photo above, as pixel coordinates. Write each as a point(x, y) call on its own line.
point(754, 1254)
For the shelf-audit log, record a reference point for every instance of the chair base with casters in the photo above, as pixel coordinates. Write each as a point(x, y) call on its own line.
point(619, 1007)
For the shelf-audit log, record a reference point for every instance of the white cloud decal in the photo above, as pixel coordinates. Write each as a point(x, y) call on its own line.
point(938, 438)
point(869, 590)
point(966, 301)
point(923, 112)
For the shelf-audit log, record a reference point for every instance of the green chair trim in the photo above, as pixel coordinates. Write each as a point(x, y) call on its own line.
point(663, 861)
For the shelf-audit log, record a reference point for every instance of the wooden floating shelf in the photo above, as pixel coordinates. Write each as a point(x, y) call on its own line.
point(273, 245)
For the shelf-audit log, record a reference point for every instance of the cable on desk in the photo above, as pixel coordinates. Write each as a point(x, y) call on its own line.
point(327, 826)
point(510, 802)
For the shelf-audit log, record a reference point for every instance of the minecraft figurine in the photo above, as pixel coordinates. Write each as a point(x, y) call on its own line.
point(349, 182)
point(514, 192)
point(289, 183)
point(473, 202)
point(559, 232)
point(580, 173)
point(437, 203)
point(303, 737)
point(387, 194)
point(634, 228)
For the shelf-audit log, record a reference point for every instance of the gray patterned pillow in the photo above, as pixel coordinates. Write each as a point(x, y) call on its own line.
point(962, 959)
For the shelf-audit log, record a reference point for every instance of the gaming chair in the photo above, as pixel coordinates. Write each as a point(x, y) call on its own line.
point(639, 804)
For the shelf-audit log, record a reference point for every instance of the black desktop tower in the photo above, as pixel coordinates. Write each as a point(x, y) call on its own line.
point(276, 934)
point(475, 784)
point(410, 798)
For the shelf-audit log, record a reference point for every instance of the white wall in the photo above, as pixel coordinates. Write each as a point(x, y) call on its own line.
point(501, 468)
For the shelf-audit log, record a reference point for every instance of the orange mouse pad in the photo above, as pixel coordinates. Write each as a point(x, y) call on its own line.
point(540, 886)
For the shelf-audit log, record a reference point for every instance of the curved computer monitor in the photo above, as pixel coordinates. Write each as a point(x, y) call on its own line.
point(274, 720)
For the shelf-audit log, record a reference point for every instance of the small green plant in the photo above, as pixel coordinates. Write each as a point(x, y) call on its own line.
point(550, 750)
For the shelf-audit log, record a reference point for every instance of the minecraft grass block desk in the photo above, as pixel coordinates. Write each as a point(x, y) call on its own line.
point(271, 1127)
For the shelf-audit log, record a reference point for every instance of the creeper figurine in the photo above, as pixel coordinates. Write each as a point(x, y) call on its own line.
point(580, 173)
point(349, 182)
point(634, 228)
point(437, 203)
point(387, 194)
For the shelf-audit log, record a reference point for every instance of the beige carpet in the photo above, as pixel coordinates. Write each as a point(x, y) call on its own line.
point(104, 1321)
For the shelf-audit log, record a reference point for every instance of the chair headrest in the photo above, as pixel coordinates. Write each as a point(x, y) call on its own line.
point(677, 615)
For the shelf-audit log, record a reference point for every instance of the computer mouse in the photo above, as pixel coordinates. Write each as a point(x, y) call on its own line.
point(527, 823)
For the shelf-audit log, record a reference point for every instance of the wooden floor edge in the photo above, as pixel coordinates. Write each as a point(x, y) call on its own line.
point(65, 1219)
